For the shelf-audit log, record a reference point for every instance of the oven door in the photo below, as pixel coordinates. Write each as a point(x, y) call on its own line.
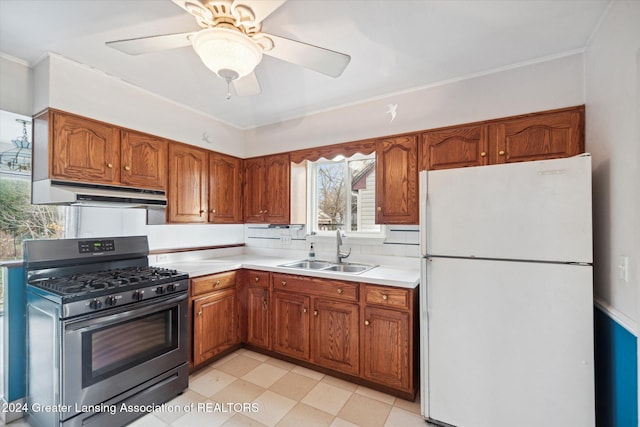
point(105, 355)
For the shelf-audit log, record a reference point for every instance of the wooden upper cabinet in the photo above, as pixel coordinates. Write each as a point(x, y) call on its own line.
point(84, 150)
point(539, 136)
point(225, 189)
point(187, 193)
point(455, 147)
point(397, 180)
point(267, 189)
point(144, 160)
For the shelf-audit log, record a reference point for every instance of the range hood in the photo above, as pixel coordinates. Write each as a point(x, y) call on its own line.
point(55, 192)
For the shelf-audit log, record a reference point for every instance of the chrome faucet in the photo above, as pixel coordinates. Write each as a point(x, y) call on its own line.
point(340, 255)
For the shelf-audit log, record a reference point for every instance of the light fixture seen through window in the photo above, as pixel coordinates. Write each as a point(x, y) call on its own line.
point(18, 158)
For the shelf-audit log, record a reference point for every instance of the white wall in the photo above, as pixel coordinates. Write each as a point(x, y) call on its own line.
point(612, 77)
point(15, 86)
point(555, 83)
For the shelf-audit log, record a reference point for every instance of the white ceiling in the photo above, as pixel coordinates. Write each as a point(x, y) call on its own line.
point(395, 45)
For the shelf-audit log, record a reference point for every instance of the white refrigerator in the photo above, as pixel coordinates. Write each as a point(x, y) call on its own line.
point(506, 298)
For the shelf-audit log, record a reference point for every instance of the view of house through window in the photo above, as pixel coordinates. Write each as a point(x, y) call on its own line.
point(343, 195)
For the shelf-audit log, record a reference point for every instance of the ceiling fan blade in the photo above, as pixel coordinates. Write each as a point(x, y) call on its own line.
point(247, 86)
point(325, 61)
point(150, 44)
point(261, 8)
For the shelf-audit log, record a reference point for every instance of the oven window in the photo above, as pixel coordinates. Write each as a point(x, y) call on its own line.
point(116, 348)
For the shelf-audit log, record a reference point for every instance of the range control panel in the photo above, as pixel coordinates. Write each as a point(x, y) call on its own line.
point(96, 246)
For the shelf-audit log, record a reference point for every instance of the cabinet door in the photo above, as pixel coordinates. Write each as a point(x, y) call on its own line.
point(397, 180)
point(454, 148)
point(225, 189)
point(144, 161)
point(539, 136)
point(254, 175)
point(335, 335)
point(386, 347)
point(291, 324)
point(84, 150)
point(258, 317)
point(277, 189)
point(187, 195)
point(214, 325)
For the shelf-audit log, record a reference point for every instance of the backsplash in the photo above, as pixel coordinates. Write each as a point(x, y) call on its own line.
point(400, 241)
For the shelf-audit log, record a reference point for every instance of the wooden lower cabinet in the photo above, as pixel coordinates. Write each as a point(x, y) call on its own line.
point(258, 308)
point(386, 347)
point(335, 335)
point(291, 324)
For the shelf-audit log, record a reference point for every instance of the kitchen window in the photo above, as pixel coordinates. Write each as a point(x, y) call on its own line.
point(342, 196)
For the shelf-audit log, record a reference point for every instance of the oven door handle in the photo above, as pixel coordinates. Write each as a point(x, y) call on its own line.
point(135, 310)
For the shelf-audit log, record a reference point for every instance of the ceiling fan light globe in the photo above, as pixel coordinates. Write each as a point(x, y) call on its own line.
point(225, 49)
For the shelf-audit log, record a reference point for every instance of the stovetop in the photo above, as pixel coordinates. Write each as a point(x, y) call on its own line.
point(90, 285)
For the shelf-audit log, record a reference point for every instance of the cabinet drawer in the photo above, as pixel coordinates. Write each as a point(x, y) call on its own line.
point(387, 297)
point(314, 286)
point(205, 284)
point(258, 278)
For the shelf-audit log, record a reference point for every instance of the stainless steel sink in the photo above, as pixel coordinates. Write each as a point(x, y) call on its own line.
point(350, 268)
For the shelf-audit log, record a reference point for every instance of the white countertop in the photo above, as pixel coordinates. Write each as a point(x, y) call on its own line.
point(389, 275)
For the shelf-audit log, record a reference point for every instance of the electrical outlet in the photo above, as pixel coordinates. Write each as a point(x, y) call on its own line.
point(623, 269)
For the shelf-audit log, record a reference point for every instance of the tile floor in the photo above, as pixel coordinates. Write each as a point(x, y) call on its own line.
point(247, 388)
point(259, 390)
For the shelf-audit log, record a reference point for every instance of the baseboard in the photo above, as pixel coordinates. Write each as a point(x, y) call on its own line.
point(11, 411)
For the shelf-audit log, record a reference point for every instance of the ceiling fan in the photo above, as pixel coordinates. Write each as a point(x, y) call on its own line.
point(231, 43)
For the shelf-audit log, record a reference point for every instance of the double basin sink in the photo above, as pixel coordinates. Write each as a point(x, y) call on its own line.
point(346, 267)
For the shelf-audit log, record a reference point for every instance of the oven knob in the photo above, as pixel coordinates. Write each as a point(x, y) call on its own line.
point(110, 301)
point(138, 295)
point(171, 287)
point(159, 290)
point(95, 304)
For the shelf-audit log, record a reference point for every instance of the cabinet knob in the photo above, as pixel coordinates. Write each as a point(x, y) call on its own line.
point(217, 283)
point(379, 208)
point(304, 310)
point(200, 313)
point(385, 297)
point(110, 165)
point(257, 279)
point(366, 322)
point(264, 304)
point(127, 168)
point(213, 211)
point(483, 154)
point(265, 211)
point(501, 152)
point(340, 291)
point(284, 283)
point(315, 312)
point(261, 212)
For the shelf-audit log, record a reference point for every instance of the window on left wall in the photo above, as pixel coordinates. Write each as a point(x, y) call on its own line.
point(19, 219)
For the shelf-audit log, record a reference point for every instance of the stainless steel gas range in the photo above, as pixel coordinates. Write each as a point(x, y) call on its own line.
point(107, 333)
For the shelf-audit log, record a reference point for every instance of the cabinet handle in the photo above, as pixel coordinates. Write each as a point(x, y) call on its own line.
point(483, 154)
point(304, 310)
point(501, 152)
point(284, 283)
point(264, 304)
point(110, 165)
point(257, 279)
point(366, 322)
point(315, 312)
point(340, 291)
point(127, 168)
point(385, 297)
point(200, 313)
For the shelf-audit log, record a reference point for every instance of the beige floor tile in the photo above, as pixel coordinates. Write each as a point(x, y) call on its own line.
point(280, 363)
point(307, 416)
point(326, 397)
point(401, 418)
point(339, 422)
point(409, 406)
point(264, 375)
point(308, 372)
point(294, 386)
point(239, 366)
point(211, 383)
point(239, 420)
point(239, 391)
point(149, 420)
point(175, 408)
point(209, 416)
point(225, 359)
point(258, 356)
point(365, 411)
point(375, 394)
point(271, 408)
point(346, 385)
